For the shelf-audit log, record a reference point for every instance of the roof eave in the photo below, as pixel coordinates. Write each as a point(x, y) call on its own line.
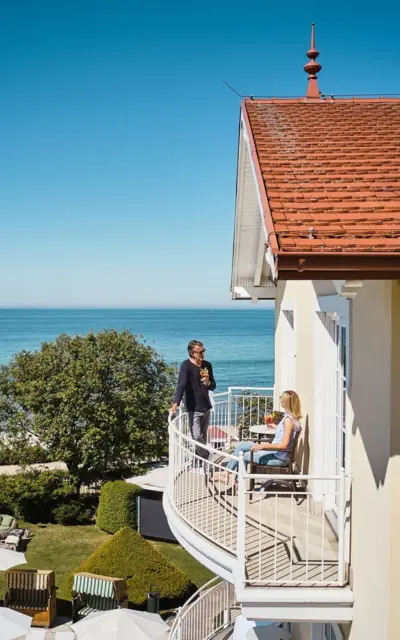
point(271, 240)
point(373, 265)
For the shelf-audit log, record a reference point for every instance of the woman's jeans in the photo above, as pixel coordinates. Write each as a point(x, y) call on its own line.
point(259, 457)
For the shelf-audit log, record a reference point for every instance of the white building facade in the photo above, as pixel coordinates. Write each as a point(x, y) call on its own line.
point(317, 230)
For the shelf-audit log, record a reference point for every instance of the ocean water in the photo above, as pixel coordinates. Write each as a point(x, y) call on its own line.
point(239, 342)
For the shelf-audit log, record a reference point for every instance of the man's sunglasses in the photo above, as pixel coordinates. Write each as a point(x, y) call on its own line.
point(200, 352)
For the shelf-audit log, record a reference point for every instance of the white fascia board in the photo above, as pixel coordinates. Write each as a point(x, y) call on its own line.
point(248, 292)
point(264, 256)
point(239, 208)
point(298, 613)
point(253, 170)
point(339, 596)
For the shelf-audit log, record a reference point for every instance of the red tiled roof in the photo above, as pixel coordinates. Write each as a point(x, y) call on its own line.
point(331, 174)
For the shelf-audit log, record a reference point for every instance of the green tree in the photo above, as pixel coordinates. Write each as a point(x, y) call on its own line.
point(99, 402)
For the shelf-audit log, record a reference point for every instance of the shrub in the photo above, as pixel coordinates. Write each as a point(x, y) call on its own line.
point(72, 512)
point(32, 495)
point(117, 506)
point(128, 555)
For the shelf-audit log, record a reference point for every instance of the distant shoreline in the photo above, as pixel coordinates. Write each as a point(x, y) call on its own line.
point(238, 307)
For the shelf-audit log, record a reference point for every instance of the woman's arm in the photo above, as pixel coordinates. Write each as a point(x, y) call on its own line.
point(288, 426)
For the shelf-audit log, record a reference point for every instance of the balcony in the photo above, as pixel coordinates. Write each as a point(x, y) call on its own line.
point(276, 546)
point(210, 614)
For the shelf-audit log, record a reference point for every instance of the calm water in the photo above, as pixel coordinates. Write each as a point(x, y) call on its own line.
point(240, 343)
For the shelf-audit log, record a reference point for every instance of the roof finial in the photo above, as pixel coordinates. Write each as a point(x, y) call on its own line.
point(312, 68)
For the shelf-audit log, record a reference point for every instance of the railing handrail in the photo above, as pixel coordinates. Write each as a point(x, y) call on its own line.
point(193, 601)
point(250, 389)
point(246, 475)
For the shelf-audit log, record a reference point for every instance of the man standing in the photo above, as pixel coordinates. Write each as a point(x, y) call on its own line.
point(196, 379)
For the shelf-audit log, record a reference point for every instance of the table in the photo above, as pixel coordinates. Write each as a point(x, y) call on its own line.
point(262, 430)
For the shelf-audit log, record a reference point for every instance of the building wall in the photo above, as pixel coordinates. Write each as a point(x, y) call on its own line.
point(373, 411)
point(300, 297)
point(370, 441)
point(394, 473)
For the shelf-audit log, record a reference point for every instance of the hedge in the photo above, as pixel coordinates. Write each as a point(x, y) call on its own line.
point(33, 495)
point(128, 555)
point(117, 506)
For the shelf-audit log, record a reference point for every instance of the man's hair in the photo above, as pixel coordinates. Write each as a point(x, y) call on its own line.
point(193, 343)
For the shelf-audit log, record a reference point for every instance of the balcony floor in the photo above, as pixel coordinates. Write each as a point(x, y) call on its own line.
point(285, 541)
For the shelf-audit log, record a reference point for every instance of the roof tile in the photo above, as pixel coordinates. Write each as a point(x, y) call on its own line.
point(331, 165)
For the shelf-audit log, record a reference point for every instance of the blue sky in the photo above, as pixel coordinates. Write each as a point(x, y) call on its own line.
point(119, 140)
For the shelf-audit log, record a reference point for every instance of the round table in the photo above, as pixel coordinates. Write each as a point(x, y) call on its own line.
point(262, 430)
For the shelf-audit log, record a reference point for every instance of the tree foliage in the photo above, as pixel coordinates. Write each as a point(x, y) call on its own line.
point(98, 402)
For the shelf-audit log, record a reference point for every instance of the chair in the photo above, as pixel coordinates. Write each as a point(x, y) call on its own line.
point(268, 469)
point(7, 524)
point(32, 592)
point(92, 593)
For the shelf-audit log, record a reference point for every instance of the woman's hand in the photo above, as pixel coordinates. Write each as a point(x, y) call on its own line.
point(259, 446)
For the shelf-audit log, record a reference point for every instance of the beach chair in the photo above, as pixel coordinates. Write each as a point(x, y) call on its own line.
point(32, 592)
point(91, 593)
point(7, 524)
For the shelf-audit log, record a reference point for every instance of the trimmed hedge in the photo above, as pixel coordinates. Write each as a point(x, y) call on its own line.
point(117, 506)
point(128, 555)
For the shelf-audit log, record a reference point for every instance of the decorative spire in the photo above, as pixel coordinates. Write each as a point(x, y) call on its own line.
point(312, 68)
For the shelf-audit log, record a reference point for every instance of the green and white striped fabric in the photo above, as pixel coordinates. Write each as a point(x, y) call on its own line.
point(93, 586)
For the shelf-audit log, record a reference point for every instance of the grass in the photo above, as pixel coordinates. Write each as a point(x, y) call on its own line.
point(62, 549)
point(59, 548)
point(178, 556)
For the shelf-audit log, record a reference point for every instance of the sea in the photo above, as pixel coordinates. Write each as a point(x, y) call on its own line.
point(239, 342)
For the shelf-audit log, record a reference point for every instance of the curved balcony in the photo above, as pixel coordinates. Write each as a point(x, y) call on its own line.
point(259, 540)
point(209, 614)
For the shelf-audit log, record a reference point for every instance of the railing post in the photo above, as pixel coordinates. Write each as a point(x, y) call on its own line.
point(229, 416)
point(341, 523)
point(241, 520)
point(171, 464)
point(227, 615)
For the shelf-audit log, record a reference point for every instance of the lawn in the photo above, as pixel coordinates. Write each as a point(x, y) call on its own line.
point(59, 548)
point(62, 549)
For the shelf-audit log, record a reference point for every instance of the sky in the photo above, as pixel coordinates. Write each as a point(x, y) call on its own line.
point(119, 139)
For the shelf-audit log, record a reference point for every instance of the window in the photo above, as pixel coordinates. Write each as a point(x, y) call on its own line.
point(331, 632)
point(326, 631)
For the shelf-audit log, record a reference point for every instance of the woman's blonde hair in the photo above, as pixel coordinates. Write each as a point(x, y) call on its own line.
point(291, 402)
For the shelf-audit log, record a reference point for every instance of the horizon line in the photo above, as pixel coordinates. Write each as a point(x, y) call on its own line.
point(137, 308)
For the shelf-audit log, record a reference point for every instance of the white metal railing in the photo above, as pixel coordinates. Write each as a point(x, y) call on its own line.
point(280, 535)
point(211, 609)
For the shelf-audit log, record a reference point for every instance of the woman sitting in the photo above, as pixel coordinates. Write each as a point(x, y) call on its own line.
point(277, 452)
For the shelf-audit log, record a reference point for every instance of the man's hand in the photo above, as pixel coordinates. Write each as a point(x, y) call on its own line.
point(174, 407)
